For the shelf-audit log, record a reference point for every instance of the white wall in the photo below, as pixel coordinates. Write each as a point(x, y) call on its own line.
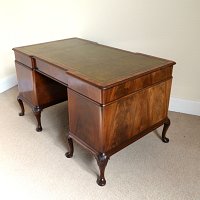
point(169, 29)
point(25, 22)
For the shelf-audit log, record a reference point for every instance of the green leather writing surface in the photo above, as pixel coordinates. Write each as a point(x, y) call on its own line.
point(97, 63)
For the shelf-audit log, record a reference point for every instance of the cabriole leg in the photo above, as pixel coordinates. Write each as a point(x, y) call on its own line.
point(21, 105)
point(37, 113)
point(102, 161)
point(165, 128)
point(69, 154)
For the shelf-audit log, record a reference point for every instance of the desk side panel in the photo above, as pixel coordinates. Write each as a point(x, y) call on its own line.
point(85, 120)
point(133, 114)
point(26, 86)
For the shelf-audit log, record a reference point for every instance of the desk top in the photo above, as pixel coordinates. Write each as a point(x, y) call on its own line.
point(93, 62)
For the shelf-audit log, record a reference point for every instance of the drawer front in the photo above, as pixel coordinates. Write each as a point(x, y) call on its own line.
point(24, 59)
point(136, 84)
point(51, 70)
point(84, 88)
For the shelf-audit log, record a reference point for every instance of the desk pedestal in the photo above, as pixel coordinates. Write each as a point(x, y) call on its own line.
point(38, 91)
point(104, 129)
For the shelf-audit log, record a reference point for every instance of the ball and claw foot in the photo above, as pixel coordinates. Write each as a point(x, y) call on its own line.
point(69, 154)
point(165, 128)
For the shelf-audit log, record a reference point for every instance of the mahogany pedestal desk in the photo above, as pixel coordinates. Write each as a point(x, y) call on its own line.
point(114, 96)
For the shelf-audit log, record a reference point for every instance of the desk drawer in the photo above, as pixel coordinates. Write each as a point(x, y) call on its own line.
point(51, 70)
point(136, 84)
point(24, 59)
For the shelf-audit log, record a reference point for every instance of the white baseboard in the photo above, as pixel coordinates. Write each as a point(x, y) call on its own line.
point(184, 106)
point(8, 82)
point(176, 104)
